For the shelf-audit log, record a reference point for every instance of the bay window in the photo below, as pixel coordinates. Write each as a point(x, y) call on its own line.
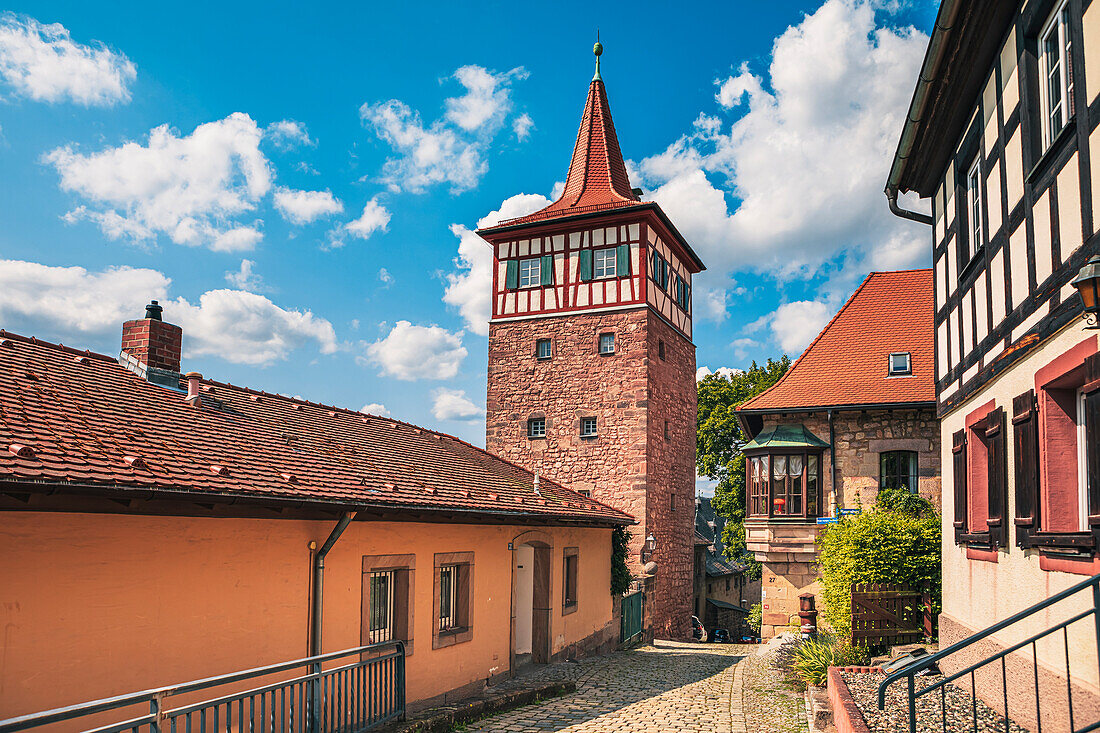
point(784, 484)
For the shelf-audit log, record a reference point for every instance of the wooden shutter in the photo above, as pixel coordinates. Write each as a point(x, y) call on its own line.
point(958, 450)
point(586, 265)
point(1025, 438)
point(546, 270)
point(622, 260)
point(511, 274)
point(1092, 436)
point(997, 479)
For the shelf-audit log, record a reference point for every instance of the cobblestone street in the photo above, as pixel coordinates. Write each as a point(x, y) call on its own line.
point(685, 687)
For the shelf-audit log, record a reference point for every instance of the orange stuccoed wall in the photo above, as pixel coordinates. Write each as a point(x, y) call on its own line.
point(95, 605)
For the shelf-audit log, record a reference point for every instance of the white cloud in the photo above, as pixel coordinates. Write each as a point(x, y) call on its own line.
point(191, 189)
point(42, 62)
point(470, 286)
point(794, 325)
point(795, 180)
point(288, 134)
point(237, 326)
point(453, 404)
point(303, 207)
point(727, 372)
point(411, 352)
point(375, 218)
point(244, 278)
point(522, 126)
point(451, 149)
point(385, 277)
point(375, 408)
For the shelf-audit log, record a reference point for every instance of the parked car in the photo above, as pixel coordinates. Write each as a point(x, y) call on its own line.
point(749, 639)
point(720, 636)
point(697, 631)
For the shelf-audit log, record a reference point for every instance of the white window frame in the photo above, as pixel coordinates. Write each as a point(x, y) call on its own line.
point(531, 423)
point(1056, 30)
point(904, 371)
point(530, 272)
point(538, 349)
point(384, 632)
point(611, 340)
point(448, 594)
point(1082, 466)
point(585, 423)
point(974, 206)
point(604, 263)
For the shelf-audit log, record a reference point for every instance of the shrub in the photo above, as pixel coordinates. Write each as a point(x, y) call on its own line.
point(755, 619)
point(620, 573)
point(898, 541)
point(813, 658)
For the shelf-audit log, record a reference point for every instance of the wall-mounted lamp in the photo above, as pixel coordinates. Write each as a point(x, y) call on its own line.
point(1087, 283)
point(648, 547)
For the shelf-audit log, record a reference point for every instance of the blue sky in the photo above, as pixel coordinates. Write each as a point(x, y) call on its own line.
point(298, 185)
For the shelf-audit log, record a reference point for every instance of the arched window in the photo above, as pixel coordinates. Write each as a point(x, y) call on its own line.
point(898, 470)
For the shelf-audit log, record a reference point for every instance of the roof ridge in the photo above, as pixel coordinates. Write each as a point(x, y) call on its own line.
point(34, 340)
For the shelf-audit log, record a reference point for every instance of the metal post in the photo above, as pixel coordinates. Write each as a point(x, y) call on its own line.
point(912, 707)
point(1096, 614)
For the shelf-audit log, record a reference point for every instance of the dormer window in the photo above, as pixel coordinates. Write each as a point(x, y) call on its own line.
point(900, 364)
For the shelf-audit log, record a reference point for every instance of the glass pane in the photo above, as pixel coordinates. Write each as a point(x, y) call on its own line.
point(812, 484)
point(779, 467)
point(794, 466)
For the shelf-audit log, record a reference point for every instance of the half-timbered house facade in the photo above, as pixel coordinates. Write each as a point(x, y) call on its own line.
point(1002, 137)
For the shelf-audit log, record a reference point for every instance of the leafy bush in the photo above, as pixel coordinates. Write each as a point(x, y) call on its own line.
point(898, 541)
point(755, 617)
point(813, 658)
point(620, 573)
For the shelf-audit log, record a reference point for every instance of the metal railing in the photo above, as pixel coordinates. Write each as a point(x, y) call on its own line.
point(353, 696)
point(931, 662)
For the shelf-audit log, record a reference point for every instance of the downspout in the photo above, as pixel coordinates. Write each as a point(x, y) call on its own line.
point(832, 461)
point(319, 582)
point(937, 45)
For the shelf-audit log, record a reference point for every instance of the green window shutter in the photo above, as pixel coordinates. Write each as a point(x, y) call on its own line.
point(546, 270)
point(586, 265)
point(511, 276)
point(622, 260)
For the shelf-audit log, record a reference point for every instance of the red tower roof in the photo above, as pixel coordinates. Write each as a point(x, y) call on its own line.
point(597, 176)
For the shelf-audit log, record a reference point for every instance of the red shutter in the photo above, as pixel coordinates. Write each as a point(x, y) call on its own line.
point(998, 480)
point(958, 450)
point(1092, 436)
point(1025, 438)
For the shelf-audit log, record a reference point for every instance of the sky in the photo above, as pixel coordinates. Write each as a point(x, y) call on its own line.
point(299, 185)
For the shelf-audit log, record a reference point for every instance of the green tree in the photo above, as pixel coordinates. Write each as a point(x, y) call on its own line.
point(718, 442)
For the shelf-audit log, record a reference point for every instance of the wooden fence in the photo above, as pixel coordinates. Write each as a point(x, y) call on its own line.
point(890, 613)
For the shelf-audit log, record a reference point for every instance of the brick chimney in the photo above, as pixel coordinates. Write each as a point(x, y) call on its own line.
point(151, 348)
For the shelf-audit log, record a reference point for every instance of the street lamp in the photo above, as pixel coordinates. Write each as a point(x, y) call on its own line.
point(1087, 283)
point(648, 547)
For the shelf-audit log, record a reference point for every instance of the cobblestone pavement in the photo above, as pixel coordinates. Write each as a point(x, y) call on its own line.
point(686, 687)
point(771, 705)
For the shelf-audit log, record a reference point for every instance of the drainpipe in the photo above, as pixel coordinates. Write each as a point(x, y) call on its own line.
point(319, 581)
point(832, 461)
point(892, 198)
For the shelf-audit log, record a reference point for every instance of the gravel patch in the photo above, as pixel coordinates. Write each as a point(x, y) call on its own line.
point(770, 703)
point(957, 702)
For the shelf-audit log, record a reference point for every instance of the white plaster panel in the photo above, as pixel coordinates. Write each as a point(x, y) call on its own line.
point(634, 230)
point(582, 295)
point(1043, 254)
point(949, 196)
point(574, 240)
point(1014, 169)
point(993, 199)
point(523, 300)
point(1018, 266)
point(1010, 78)
point(1069, 207)
point(954, 340)
point(559, 242)
point(559, 268)
point(611, 236)
point(968, 321)
point(536, 300)
point(1090, 25)
point(500, 302)
point(597, 237)
point(937, 213)
point(989, 112)
point(510, 303)
point(1030, 321)
point(524, 247)
point(941, 281)
point(997, 287)
point(981, 309)
point(941, 350)
point(952, 266)
point(597, 294)
point(502, 250)
point(969, 373)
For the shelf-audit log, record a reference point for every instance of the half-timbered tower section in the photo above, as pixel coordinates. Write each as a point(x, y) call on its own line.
point(591, 364)
point(854, 415)
point(1003, 137)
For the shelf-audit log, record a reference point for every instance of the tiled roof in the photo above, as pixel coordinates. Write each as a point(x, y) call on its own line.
point(847, 362)
point(77, 418)
point(597, 179)
point(709, 525)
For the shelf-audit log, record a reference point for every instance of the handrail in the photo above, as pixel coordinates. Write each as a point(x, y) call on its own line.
point(57, 715)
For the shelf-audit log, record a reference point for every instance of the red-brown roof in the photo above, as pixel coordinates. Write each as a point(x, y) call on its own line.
point(597, 178)
point(847, 364)
point(77, 418)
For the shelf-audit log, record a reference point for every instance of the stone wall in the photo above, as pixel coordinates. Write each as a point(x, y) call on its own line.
point(631, 464)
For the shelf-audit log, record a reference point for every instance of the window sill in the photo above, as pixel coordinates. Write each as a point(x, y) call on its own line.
point(543, 358)
point(450, 637)
point(605, 353)
point(761, 519)
point(536, 437)
point(1066, 134)
point(569, 608)
point(589, 437)
point(971, 265)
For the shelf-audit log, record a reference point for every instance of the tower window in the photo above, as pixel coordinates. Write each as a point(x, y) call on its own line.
point(542, 349)
point(607, 343)
point(900, 364)
point(530, 272)
point(604, 264)
point(666, 429)
point(672, 502)
point(536, 427)
point(588, 427)
point(660, 271)
point(683, 294)
point(661, 349)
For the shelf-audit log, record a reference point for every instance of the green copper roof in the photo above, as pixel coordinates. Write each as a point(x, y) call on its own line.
point(785, 436)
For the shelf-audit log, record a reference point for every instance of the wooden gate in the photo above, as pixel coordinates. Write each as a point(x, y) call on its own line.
point(890, 613)
point(631, 618)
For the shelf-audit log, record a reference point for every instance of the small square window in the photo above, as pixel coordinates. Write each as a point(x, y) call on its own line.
point(607, 343)
point(604, 262)
point(530, 272)
point(542, 349)
point(588, 427)
point(536, 427)
point(661, 349)
point(900, 364)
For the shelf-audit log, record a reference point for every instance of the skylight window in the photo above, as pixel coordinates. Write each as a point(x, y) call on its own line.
point(900, 364)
